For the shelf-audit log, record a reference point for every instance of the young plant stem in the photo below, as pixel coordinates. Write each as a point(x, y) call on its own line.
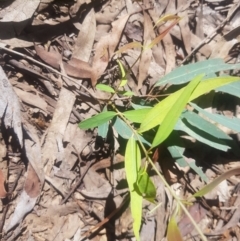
point(146, 153)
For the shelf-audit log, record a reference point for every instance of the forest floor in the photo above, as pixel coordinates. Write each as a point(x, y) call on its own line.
point(60, 182)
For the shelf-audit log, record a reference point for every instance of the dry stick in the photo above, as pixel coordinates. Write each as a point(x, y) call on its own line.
point(212, 34)
point(46, 66)
point(79, 158)
point(77, 183)
point(105, 220)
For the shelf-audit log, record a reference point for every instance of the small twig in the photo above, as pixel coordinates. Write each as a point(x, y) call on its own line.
point(78, 182)
point(105, 220)
point(79, 158)
point(212, 34)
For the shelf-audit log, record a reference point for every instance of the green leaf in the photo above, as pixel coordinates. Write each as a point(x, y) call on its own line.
point(185, 73)
point(177, 153)
point(198, 170)
point(146, 186)
point(206, 126)
point(125, 93)
point(103, 129)
point(132, 166)
point(125, 131)
point(128, 93)
point(137, 107)
point(176, 147)
point(201, 136)
point(123, 82)
point(97, 120)
point(217, 181)
point(173, 232)
point(232, 89)
point(136, 116)
point(123, 73)
point(158, 112)
point(173, 114)
point(231, 123)
point(105, 88)
point(211, 84)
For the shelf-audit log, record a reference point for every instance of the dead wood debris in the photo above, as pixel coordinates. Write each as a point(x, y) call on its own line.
point(58, 182)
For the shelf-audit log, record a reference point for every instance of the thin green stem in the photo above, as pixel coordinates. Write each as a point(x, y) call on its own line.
point(121, 115)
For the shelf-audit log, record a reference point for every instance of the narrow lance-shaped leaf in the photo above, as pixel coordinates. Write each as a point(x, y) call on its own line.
point(217, 181)
point(132, 166)
point(171, 118)
point(204, 125)
point(173, 232)
point(103, 129)
point(166, 18)
point(202, 137)
point(97, 120)
point(123, 74)
point(131, 45)
point(128, 93)
point(105, 88)
point(136, 115)
point(161, 36)
point(126, 132)
point(231, 123)
point(185, 73)
point(158, 112)
point(232, 89)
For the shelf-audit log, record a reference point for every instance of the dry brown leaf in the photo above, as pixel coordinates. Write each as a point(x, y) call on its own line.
point(105, 48)
point(185, 30)
point(84, 42)
point(168, 43)
point(82, 71)
point(199, 24)
point(3, 192)
point(163, 33)
point(31, 99)
point(52, 58)
point(131, 45)
point(75, 68)
point(157, 49)
point(146, 54)
point(170, 53)
point(53, 146)
point(32, 184)
point(77, 63)
point(221, 49)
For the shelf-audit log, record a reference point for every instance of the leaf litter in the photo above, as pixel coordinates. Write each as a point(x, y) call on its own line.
point(59, 182)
